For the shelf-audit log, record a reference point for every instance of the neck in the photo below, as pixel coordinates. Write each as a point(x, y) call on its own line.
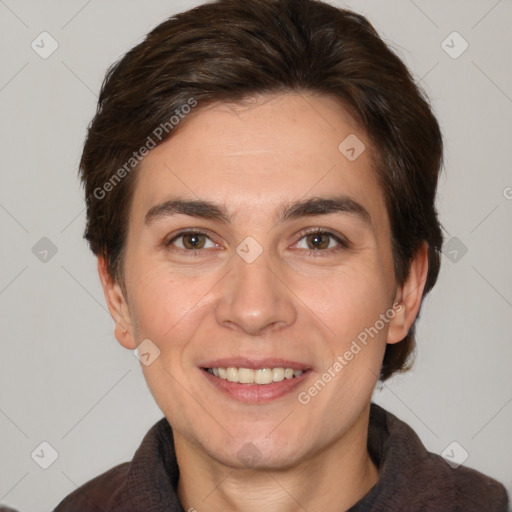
point(331, 480)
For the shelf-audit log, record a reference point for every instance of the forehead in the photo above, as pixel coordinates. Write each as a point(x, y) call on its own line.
point(256, 156)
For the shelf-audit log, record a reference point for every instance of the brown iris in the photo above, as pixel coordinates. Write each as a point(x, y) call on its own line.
point(318, 241)
point(193, 240)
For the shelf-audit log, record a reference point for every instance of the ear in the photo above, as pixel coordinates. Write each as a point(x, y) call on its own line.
point(408, 296)
point(118, 306)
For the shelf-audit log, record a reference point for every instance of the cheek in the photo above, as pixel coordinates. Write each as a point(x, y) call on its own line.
point(348, 300)
point(164, 301)
point(168, 309)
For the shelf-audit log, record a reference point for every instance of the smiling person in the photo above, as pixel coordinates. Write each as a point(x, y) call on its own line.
point(260, 182)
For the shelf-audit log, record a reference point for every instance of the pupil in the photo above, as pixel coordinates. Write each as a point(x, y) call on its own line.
point(194, 240)
point(317, 240)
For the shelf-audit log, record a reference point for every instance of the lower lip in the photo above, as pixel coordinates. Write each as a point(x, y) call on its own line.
point(256, 393)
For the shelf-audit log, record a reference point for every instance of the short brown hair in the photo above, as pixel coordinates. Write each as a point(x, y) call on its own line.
point(231, 50)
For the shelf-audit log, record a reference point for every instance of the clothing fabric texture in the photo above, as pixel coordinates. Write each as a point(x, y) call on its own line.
point(410, 478)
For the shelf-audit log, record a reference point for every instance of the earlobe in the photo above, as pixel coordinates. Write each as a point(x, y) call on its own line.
point(117, 306)
point(408, 296)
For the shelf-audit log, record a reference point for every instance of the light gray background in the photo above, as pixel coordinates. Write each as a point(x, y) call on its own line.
point(63, 377)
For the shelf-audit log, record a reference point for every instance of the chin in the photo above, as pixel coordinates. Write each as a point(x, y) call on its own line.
point(258, 451)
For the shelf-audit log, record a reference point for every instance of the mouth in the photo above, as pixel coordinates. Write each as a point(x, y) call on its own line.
point(258, 376)
point(255, 382)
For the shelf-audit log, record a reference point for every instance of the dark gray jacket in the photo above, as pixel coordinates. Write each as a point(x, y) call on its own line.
point(410, 478)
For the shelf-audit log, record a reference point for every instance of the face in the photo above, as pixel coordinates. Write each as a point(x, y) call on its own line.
point(255, 242)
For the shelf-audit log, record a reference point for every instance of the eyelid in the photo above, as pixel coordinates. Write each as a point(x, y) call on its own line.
point(343, 243)
point(189, 231)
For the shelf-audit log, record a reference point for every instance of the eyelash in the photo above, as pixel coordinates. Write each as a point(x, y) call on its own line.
point(197, 231)
point(342, 243)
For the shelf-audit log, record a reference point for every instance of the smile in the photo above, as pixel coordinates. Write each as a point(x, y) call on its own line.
point(260, 376)
point(264, 382)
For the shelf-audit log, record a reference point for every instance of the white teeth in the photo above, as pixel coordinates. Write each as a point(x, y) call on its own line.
point(245, 376)
point(263, 376)
point(277, 374)
point(259, 376)
point(232, 374)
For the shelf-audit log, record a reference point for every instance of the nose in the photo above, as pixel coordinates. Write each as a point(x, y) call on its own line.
point(254, 297)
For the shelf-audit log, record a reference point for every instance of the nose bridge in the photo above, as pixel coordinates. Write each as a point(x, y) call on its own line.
point(253, 299)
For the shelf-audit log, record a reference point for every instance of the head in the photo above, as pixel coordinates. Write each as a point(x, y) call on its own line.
point(296, 150)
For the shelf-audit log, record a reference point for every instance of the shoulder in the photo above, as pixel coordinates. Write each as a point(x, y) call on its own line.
point(417, 479)
point(461, 488)
point(150, 478)
point(97, 494)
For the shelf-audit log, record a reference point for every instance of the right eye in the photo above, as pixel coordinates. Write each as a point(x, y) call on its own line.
point(191, 241)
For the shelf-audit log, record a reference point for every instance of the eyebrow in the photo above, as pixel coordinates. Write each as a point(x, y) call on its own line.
point(192, 208)
point(325, 206)
point(307, 207)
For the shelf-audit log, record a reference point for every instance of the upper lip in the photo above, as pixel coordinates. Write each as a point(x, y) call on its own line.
point(243, 362)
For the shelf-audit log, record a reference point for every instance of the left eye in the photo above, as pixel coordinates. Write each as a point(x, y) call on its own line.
point(192, 241)
point(318, 240)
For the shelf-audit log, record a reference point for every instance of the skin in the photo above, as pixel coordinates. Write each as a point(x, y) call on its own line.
point(293, 301)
